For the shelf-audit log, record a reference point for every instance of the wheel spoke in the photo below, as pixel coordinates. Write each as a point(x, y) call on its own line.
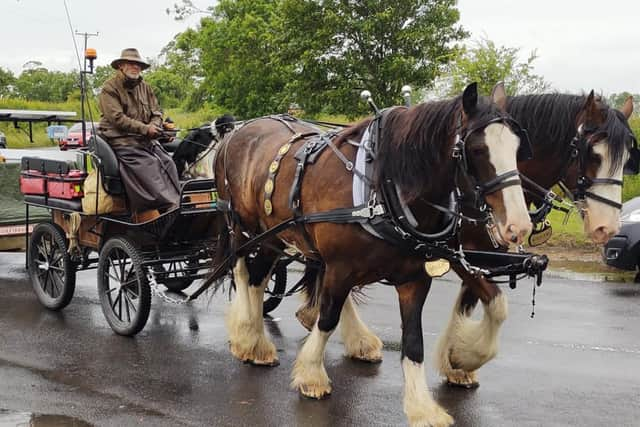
point(55, 268)
point(115, 301)
point(57, 260)
point(120, 305)
point(111, 290)
point(132, 290)
point(49, 247)
point(126, 306)
point(44, 281)
point(42, 249)
point(129, 301)
point(115, 270)
point(123, 263)
point(57, 284)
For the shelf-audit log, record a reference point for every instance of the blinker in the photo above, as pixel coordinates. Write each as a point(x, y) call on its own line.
point(525, 152)
point(632, 167)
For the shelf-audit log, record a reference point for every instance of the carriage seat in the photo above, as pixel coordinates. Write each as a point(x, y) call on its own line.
point(108, 165)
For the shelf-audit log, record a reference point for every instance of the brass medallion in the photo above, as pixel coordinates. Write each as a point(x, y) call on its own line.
point(538, 237)
point(437, 267)
point(268, 207)
point(283, 150)
point(273, 167)
point(268, 186)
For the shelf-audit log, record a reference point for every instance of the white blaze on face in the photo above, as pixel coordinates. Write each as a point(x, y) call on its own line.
point(602, 221)
point(503, 147)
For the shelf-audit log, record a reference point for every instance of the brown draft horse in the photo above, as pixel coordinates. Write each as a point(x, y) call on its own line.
point(572, 137)
point(415, 151)
point(603, 138)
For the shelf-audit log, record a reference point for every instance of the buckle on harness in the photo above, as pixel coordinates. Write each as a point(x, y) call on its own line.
point(369, 211)
point(550, 196)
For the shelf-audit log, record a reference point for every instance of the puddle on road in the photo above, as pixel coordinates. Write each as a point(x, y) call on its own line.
point(28, 419)
point(592, 271)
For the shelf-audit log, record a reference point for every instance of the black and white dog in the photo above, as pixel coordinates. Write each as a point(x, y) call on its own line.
point(191, 148)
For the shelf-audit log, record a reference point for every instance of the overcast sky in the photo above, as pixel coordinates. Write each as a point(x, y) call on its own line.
point(581, 44)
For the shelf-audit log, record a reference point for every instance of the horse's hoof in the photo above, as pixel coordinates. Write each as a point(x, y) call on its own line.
point(263, 363)
point(466, 386)
point(315, 392)
point(373, 360)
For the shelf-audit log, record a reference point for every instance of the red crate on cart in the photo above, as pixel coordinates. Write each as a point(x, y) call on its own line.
point(33, 182)
point(66, 186)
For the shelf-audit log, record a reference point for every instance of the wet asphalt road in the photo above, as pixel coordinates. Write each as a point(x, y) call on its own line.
point(576, 363)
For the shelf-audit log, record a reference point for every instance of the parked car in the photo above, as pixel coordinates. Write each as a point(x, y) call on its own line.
point(623, 250)
point(3, 140)
point(74, 137)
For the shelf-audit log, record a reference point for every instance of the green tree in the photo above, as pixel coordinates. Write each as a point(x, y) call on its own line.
point(616, 100)
point(240, 54)
point(101, 74)
point(182, 60)
point(40, 84)
point(168, 86)
point(488, 64)
point(342, 47)
point(7, 80)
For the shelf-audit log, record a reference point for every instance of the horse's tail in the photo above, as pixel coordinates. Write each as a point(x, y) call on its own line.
point(223, 259)
point(307, 314)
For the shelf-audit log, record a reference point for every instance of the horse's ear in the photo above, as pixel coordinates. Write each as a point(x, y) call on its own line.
point(499, 96)
point(627, 108)
point(470, 99)
point(591, 110)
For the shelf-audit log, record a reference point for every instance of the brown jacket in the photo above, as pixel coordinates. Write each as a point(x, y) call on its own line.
point(126, 110)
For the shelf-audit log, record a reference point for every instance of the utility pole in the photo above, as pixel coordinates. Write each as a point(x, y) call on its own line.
point(83, 85)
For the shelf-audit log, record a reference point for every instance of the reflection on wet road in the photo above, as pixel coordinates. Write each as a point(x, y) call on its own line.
point(13, 419)
point(575, 363)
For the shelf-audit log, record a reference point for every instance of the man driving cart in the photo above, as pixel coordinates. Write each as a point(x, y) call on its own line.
point(131, 122)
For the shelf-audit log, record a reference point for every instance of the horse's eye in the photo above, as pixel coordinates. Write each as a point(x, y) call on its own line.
point(594, 157)
point(478, 151)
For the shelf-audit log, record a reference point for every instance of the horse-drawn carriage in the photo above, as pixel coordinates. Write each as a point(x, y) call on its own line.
point(431, 169)
point(133, 258)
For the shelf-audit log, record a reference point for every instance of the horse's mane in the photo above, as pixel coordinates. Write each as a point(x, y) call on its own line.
point(550, 121)
point(416, 144)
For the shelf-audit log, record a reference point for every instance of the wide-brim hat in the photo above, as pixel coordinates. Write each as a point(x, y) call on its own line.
point(131, 55)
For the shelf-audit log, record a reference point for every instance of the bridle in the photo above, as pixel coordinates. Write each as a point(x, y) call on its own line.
point(579, 152)
point(483, 189)
point(504, 180)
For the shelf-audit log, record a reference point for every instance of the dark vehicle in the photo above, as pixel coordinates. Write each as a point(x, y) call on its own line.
point(623, 250)
point(3, 140)
point(74, 138)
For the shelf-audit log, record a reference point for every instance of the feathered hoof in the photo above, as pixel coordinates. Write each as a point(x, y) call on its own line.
point(315, 391)
point(462, 379)
point(311, 380)
point(260, 353)
point(433, 416)
point(264, 363)
point(368, 351)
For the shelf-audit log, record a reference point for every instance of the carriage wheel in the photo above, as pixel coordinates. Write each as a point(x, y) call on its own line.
point(277, 285)
point(124, 292)
point(52, 273)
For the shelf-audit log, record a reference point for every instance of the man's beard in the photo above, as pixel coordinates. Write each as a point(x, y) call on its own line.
point(132, 75)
